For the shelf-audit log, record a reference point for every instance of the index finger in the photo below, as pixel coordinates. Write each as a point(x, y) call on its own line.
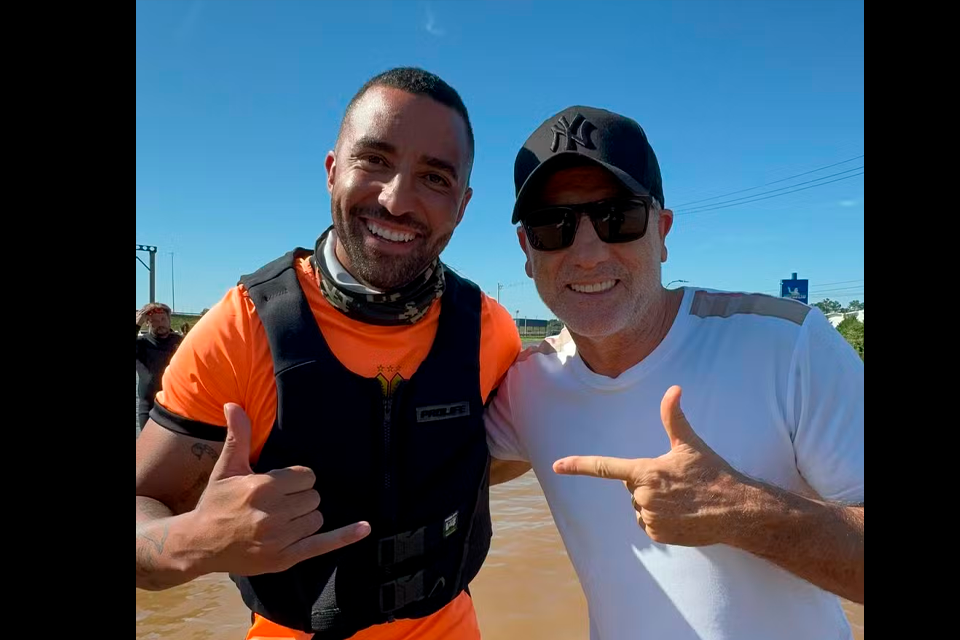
point(598, 467)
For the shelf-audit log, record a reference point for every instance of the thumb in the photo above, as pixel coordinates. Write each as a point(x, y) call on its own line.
point(674, 422)
point(235, 458)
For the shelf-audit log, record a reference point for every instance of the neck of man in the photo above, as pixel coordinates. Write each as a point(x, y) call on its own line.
point(404, 305)
point(344, 261)
point(611, 355)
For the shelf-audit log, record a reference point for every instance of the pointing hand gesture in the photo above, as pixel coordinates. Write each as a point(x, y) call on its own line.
point(687, 496)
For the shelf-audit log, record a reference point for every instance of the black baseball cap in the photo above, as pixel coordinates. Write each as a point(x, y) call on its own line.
point(579, 134)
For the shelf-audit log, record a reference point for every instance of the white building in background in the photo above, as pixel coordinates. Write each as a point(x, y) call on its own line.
point(836, 318)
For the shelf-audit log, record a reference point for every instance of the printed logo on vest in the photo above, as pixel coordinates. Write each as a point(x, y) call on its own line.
point(450, 524)
point(443, 411)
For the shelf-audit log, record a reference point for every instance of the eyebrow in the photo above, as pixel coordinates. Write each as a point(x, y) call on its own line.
point(386, 147)
point(373, 143)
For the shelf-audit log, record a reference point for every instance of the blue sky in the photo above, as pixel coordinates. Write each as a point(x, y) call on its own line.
point(239, 102)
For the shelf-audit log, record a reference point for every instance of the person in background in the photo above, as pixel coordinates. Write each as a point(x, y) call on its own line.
point(155, 348)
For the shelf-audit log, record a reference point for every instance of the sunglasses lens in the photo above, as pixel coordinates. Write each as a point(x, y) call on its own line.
point(623, 221)
point(615, 221)
point(550, 229)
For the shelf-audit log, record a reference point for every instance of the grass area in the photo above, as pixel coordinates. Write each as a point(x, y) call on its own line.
point(176, 320)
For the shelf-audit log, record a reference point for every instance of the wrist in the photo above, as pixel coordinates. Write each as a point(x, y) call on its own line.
point(770, 516)
point(190, 556)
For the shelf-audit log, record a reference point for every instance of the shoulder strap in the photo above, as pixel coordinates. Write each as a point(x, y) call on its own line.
point(283, 310)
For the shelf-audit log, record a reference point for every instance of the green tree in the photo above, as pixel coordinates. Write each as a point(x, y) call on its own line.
point(554, 327)
point(856, 305)
point(852, 330)
point(828, 306)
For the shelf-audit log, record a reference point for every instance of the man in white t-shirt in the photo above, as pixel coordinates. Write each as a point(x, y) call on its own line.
point(737, 517)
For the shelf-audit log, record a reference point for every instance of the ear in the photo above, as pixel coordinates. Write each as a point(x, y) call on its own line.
point(664, 224)
point(330, 164)
point(522, 237)
point(463, 205)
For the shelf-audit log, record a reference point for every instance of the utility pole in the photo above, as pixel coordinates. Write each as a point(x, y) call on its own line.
point(499, 289)
point(152, 268)
point(173, 288)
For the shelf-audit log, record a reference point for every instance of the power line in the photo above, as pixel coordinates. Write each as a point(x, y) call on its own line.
point(825, 284)
point(776, 195)
point(829, 290)
point(767, 184)
point(832, 175)
point(831, 286)
point(849, 291)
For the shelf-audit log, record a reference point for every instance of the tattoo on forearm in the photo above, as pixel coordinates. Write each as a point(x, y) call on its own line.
point(156, 540)
point(200, 449)
point(146, 563)
point(149, 548)
point(153, 528)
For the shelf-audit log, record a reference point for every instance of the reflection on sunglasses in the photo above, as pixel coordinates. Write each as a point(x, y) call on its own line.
point(616, 220)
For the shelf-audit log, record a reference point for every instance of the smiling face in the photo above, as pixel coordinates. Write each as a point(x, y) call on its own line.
point(597, 289)
point(398, 185)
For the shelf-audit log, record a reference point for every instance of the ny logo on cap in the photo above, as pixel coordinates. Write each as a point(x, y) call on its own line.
point(576, 133)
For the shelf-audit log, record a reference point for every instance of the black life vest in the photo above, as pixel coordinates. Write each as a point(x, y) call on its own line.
point(408, 456)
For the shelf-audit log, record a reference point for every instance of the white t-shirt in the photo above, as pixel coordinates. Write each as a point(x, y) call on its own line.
point(769, 385)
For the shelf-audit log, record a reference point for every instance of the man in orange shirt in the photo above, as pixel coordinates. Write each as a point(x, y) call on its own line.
point(319, 434)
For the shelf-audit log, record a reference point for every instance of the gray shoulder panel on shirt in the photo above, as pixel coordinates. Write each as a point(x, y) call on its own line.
point(724, 305)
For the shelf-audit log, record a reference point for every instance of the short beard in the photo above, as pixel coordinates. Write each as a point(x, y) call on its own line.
point(384, 273)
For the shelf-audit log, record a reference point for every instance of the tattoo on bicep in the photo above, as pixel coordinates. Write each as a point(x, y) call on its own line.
point(200, 449)
point(195, 492)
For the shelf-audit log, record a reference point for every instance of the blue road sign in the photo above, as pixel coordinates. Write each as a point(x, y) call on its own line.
point(794, 288)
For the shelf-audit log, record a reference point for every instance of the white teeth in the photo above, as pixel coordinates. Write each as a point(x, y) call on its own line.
point(593, 288)
point(395, 236)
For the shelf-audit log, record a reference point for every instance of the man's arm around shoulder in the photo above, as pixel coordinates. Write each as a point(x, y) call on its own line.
point(500, 332)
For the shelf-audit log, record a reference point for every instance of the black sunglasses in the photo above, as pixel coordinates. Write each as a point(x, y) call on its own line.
point(615, 220)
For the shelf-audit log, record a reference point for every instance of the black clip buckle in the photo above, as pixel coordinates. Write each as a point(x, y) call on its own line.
point(398, 593)
point(399, 547)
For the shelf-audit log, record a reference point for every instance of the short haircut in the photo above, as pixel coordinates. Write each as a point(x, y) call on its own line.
point(421, 83)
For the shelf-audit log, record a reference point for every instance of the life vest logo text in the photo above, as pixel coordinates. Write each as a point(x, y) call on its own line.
point(443, 412)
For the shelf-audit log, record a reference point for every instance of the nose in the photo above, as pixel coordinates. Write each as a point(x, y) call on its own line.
point(588, 250)
point(397, 196)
